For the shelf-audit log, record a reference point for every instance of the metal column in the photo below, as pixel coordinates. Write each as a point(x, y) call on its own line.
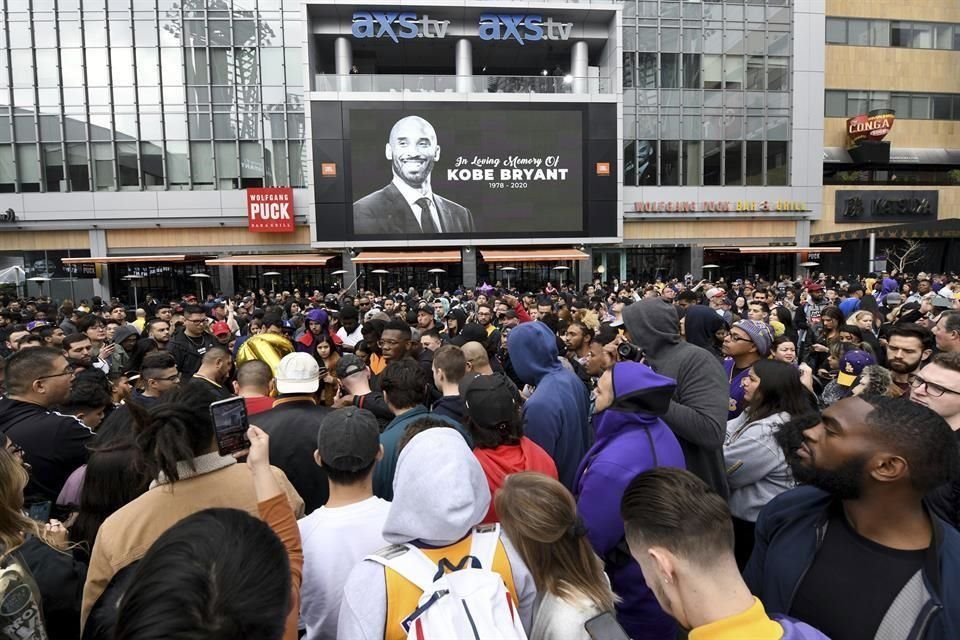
point(343, 60)
point(464, 65)
point(579, 62)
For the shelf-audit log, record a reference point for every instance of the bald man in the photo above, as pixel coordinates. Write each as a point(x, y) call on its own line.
point(408, 204)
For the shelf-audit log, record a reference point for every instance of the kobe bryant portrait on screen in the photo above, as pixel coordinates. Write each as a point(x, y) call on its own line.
point(408, 205)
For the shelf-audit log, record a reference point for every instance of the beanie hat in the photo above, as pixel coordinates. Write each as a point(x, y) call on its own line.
point(852, 364)
point(760, 333)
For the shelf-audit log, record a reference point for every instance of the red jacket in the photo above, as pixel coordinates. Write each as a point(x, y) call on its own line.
point(512, 458)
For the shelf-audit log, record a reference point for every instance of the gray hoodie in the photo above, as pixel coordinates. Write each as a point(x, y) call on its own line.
point(698, 409)
point(439, 494)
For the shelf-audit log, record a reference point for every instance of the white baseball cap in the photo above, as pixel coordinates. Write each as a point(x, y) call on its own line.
point(713, 292)
point(298, 373)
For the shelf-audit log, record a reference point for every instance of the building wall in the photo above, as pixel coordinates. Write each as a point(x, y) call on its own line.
point(734, 231)
point(932, 10)
point(949, 207)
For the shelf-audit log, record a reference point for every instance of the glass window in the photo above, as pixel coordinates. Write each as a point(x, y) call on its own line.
point(880, 33)
point(251, 160)
point(8, 176)
point(28, 167)
point(778, 44)
point(778, 77)
point(733, 41)
point(221, 63)
point(778, 156)
point(21, 63)
point(690, 172)
point(148, 67)
point(647, 39)
point(78, 169)
point(146, 33)
point(224, 126)
point(778, 128)
point(733, 73)
point(201, 163)
point(50, 128)
point(199, 126)
point(277, 168)
point(196, 63)
point(103, 165)
point(713, 40)
point(857, 102)
point(692, 40)
point(756, 80)
point(943, 36)
point(271, 67)
point(171, 66)
point(151, 164)
point(754, 164)
point(669, 70)
point(72, 60)
point(712, 72)
point(733, 168)
point(294, 67)
point(669, 162)
point(178, 165)
point(647, 70)
point(920, 107)
point(899, 34)
point(670, 40)
point(922, 36)
point(23, 129)
point(836, 31)
point(900, 102)
point(127, 163)
point(121, 66)
point(53, 175)
point(691, 71)
point(298, 165)
point(712, 152)
point(941, 107)
point(858, 32)
point(48, 73)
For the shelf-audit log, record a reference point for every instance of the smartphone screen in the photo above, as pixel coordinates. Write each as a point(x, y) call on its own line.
point(605, 627)
point(230, 425)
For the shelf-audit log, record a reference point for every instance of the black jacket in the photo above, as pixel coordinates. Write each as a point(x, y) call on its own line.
point(60, 579)
point(53, 444)
point(293, 426)
point(188, 352)
point(450, 406)
point(375, 404)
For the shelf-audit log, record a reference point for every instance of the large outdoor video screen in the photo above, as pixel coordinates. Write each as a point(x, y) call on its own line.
point(479, 173)
point(444, 171)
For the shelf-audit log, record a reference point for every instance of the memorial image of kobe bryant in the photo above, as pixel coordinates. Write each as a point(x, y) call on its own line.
point(408, 205)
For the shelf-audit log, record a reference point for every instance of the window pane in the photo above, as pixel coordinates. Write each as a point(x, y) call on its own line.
point(103, 165)
point(778, 78)
point(734, 164)
point(28, 166)
point(691, 163)
point(836, 31)
point(777, 157)
point(77, 167)
point(755, 74)
point(201, 163)
point(900, 102)
point(127, 163)
point(712, 150)
point(669, 162)
point(7, 175)
point(278, 173)
point(755, 163)
point(733, 73)
point(53, 168)
point(251, 160)
point(836, 104)
point(647, 70)
point(858, 32)
point(879, 100)
point(646, 39)
point(944, 36)
point(922, 36)
point(920, 107)
point(899, 34)
point(857, 102)
point(669, 70)
point(712, 72)
point(880, 33)
point(298, 166)
point(941, 107)
point(670, 40)
point(178, 168)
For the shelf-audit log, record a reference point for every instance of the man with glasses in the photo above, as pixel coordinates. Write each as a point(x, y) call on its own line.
point(937, 387)
point(189, 346)
point(38, 380)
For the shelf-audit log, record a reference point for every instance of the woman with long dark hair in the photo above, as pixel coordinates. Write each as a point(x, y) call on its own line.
point(540, 517)
point(756, 468)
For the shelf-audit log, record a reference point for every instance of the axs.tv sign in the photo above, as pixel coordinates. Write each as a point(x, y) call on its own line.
point(398, 26)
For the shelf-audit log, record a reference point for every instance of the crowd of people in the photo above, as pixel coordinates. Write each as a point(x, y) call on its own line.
point(730, 460)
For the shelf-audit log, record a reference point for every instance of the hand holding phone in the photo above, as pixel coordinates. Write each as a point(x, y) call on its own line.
point(605, 627)
point(230, 425)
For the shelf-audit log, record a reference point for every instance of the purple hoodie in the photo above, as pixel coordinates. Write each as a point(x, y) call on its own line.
point(630, 439)
point(796, 630)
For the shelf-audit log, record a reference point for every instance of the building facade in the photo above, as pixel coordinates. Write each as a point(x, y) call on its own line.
point(899, 57)
point(634, 139)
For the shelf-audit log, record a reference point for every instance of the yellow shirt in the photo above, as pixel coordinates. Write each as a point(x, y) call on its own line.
point(752, 624)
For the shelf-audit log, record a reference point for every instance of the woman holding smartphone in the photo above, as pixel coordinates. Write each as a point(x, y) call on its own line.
point(328, 358)
point(539, 516)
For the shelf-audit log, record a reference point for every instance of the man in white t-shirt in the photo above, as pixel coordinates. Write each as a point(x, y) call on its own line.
point(349, 526)
point(350, 331)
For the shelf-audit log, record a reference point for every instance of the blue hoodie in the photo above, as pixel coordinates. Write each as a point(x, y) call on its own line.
point(631, 439)
point(556, 416)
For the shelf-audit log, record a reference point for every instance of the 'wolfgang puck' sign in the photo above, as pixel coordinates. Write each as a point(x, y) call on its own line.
point(871, 126)
point(270, 210)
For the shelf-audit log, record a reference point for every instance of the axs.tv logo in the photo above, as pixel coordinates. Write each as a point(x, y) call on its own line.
point(407, 25)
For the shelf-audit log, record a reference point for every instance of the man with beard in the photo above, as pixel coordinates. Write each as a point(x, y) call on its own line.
point(909, 346)
point(857, 554)
point(408, 205)
point(159, 330)
point(577, 340)
point(79, 351)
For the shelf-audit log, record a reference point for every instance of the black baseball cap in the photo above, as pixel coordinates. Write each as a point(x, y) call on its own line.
point(348, 365)
point(489, 401)
point(349, 439)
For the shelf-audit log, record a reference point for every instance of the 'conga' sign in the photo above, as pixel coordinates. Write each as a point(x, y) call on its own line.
point(870, 126)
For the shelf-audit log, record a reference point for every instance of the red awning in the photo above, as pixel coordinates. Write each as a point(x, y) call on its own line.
point(403, 257)
point(749, 250)
point(131, 259)
point(532, 255)
point(275, 260)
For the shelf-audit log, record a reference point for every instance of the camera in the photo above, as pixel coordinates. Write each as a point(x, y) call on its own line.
point(629, 352)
